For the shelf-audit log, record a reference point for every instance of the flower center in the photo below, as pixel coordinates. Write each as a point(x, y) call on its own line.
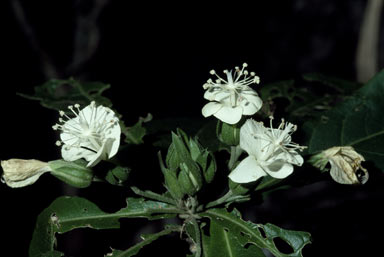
point(281, 137)
point(236, 82)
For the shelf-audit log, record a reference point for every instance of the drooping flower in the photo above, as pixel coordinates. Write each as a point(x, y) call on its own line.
point(345, 164)
point(20, 173)
point(93, 134)
point(233, 97)
point(270, 152)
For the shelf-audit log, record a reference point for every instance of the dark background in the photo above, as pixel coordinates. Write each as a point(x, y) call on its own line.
point(156, 57)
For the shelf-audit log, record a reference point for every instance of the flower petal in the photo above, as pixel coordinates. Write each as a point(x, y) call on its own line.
point(215, 94)
point(102, 154)
point(247, 171)
point(251, 104)
point(254, 141)
point(74, 153)
point(25, 182)
point(292, 157)
point(211, 108)
point(115, 133)
point(279, 169)
point(230, 115)
point(340, 175)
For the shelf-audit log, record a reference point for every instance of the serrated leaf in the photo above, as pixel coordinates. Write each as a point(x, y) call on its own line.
point(58, 94)
point(136, 133)
point(357, 122)
point(147, 239)
point(230, 235)
point(68, 213)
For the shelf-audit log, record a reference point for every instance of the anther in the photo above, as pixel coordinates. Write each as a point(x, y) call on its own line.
point(212, 72)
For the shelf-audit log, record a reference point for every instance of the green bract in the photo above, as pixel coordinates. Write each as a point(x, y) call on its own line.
point(188, 166)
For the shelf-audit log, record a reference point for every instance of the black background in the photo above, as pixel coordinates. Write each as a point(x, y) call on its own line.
point(156, 57)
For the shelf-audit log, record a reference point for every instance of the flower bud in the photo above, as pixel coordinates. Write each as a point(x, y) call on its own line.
point(20, 173)
point(187, 166)
point(345, 164)
point(75, 173)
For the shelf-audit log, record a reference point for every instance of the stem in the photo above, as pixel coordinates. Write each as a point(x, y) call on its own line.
point(197, 237)
point(221, 200)
point(153, 196)
point(235, 154)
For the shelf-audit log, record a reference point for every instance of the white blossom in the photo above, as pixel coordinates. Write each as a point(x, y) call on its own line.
point(233, 97)
point(93, 134)
point(20, 173)
point(270, 152)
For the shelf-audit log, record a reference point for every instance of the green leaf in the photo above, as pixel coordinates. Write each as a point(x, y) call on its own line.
point(68, 213)
point(224, 243)
point(117, 175)
point(135, 133)
point(147, 239)
point(340, 85)
point(59, 94)
point(357, 122)
point(229, 235)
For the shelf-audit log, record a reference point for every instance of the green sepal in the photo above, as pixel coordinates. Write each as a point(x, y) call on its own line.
point(227, 133)
point(74, 173)
point(184, 156)
point(238, 189)
point(172, 159)
point(195, 148)
point(172, 184)
point(208, 165)
point(186, 183)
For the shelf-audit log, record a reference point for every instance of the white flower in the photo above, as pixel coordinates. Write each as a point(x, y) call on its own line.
point(232, 98)
point(345, 165)
point(20, 173)
point(93, 134)
point(270, 151)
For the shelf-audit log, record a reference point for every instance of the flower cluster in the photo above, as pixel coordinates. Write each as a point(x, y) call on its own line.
point(93, 134)
point(232, 98)
point(270, 152)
